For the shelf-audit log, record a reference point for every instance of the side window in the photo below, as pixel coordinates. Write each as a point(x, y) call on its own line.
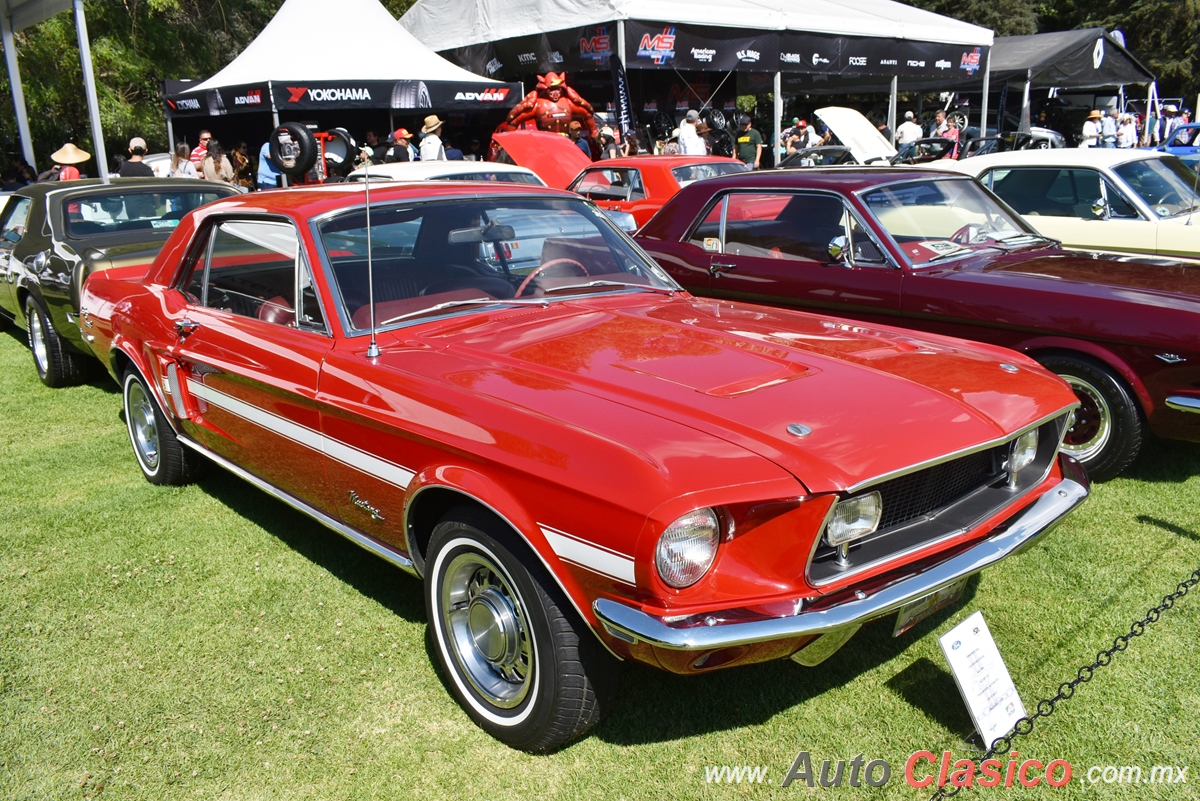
point(1073, 193)
point(1025, 189)
point(250, 269)
point(611, 184)
point(863, 248)
point(707, 235)
point(1117, 204)
point(783, 226)
point(15, 216)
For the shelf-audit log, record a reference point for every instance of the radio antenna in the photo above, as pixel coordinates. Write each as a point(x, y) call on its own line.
point(373, 348)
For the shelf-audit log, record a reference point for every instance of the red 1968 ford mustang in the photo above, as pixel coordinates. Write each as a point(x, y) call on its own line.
point(495, 390)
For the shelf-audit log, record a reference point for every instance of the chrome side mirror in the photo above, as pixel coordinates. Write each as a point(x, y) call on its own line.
point(1100, 208)
point(837, 249)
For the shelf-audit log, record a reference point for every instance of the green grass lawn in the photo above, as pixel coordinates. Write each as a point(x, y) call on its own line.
point(210, 643)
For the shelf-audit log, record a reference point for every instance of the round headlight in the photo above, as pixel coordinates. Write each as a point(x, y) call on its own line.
point(687, 548)
point(1022, 451)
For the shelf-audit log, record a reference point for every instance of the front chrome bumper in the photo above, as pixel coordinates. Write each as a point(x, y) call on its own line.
point(1021, 531)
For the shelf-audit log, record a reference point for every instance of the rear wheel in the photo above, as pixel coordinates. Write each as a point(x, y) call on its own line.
point(1107, 431)
point(518, 659)
point(163, 459)
point(57, 365)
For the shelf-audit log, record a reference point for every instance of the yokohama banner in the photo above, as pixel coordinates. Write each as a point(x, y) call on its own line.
point(316, 96)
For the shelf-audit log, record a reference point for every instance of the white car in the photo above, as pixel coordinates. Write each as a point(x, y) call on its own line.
point(1136, 201)
point(448, 171)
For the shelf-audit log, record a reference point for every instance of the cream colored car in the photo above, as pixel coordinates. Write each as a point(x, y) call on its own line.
point(1137, 201)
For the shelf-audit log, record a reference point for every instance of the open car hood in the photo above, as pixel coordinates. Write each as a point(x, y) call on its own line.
point(555, 158)
point(857, 133)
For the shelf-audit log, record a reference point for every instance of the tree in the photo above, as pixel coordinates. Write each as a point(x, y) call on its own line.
point(1005, 17)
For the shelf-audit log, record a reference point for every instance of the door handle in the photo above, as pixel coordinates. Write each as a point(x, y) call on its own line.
point(186, 327)
point(716, 268)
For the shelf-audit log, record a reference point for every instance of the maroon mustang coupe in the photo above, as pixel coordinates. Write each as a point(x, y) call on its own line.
point(491, 387)
point(939, 253)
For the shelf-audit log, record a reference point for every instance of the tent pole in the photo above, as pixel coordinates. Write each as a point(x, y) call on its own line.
point(89, 86)
point(170, 135)
point(18, 92)
point(891, 118)
point(983, 106)
point(620, 41)
point(1023, 127)
point(778, 140)
point(283, 179)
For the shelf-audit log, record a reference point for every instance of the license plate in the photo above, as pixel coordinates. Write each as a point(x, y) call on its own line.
point(916, 611)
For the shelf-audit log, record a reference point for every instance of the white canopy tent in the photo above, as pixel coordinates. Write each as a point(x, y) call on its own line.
point(869, 35)
point(16, 15)
point(295, 64)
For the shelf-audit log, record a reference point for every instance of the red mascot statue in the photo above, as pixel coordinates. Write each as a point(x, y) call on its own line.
point(551, 107)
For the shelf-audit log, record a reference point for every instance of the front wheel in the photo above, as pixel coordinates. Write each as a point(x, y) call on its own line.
point(1107, 430)
point(516, 656)
point(163, 459)
point(57, 365)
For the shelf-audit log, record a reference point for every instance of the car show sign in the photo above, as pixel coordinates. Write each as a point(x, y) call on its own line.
point(982, 678)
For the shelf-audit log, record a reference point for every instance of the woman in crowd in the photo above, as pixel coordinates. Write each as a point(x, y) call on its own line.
point(243, 168)
point(181, 162)
point(216, 166)
point(609, 149)
point(952, 134)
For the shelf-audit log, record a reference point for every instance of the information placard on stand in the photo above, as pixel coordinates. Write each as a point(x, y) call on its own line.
point(982, 678)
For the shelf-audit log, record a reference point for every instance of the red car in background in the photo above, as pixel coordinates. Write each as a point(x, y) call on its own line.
point(936, 252)
point(491, 387)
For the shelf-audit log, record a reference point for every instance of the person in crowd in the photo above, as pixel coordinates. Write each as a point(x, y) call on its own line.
point(18, 174)
point(65, 159)
point(1108, 128)
point(268, 175)
point(374, 147)
point(908, 131)
point(400, 147)
point(1171, 121)
point(609, 149)
point(702, 131)
point(181, 162)
point(198, 152)
point(791, 130)
point(1127, 134)
point(472, 151)
point(629, 145)
point(939, 124)
point(243, 167)
point(431, 142)
point(885, 131)
point(1090, 136)
point(453, 151)
point(134, 166)
point(671, 146)
point(951, 133)
point(575, 131)
point(215, 166)
point(689, 141)
point(749, 143)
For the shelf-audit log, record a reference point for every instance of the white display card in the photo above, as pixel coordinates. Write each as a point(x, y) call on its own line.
point(982, 678)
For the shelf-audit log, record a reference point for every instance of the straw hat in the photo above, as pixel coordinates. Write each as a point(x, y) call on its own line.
point(69, 154)
point(1094, 114)
point(702, 128)
point(432, 123)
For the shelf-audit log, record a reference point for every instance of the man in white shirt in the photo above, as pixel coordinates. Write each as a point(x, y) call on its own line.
point(689, 141)
point(908, 131)
point(431, 143)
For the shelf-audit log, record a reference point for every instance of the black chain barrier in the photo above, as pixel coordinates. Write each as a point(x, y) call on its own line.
point(1045, 707)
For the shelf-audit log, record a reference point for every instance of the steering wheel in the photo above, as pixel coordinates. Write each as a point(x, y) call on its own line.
point(1169, 194)
point(541, 268)
point(967, 234)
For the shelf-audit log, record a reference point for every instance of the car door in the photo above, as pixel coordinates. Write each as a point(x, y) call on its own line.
point(613, 189)
point(12, 228)
point(251, 342)
point(803, 249)
point(1076, 205)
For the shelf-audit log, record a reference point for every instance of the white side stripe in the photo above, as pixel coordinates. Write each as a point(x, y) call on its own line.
point(335, 449)
point(592, 557)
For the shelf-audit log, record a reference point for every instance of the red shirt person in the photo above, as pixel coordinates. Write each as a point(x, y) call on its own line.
point(201, 150)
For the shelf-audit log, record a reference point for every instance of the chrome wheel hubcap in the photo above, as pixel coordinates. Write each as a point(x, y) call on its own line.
point(487, 630)
point(143, 428)
point(1091, 425)
point(37, 341)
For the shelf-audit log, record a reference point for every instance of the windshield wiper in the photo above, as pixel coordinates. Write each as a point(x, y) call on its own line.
point(450, 304)
point(604, 283)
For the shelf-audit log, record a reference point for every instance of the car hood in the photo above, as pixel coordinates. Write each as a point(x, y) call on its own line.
point(875, 400)
point(555, 158)
point(857, 133)
point(1104, 273)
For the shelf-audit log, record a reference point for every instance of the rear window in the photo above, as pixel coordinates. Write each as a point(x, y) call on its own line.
point(122, 211)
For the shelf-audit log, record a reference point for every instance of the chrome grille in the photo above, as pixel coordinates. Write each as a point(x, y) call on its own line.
point(925, 491)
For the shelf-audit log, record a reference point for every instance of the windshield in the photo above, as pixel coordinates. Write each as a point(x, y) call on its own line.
point(448, 257)
point(1166, 184)
point(711, 169)
point(94, 214)
point(941, 218)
